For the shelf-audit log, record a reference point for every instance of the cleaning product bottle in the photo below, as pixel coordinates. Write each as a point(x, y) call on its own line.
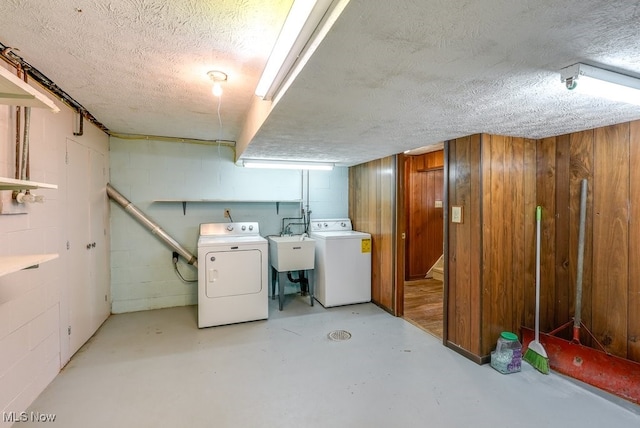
point(507, 358)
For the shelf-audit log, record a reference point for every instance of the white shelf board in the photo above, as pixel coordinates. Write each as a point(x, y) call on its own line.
point(13, 184)
point(10, 264)
point(231, 200)
point(15, 91)
point(184, 202)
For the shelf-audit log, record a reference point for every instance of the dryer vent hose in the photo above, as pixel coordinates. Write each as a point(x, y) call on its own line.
point(151, 225)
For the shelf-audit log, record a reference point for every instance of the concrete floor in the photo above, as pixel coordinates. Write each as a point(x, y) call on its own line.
point(156, 369)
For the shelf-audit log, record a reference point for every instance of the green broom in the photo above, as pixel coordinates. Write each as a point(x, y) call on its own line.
point(536, 355)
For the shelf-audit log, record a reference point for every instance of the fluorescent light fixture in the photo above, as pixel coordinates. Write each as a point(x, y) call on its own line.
point(602, 83)
point(307, 23)
point(277, 164)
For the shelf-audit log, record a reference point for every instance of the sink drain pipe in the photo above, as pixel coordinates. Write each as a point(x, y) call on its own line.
point(149, 224)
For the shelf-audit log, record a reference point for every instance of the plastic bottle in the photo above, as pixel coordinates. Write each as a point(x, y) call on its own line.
point(507, 358)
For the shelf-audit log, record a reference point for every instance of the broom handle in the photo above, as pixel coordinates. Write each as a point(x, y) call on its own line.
point(583, 214)
point(537, 320)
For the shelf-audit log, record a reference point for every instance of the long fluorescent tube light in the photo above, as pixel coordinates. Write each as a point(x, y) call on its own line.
point(307, 23)
point(602, 83)
point(271, 164)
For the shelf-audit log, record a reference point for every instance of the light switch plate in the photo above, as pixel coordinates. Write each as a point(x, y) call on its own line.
point(456, 214)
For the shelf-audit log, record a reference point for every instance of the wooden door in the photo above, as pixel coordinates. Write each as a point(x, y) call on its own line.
point(424, 238)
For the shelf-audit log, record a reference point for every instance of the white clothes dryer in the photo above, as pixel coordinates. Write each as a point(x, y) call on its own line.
point(343, 263)
point(232, 274)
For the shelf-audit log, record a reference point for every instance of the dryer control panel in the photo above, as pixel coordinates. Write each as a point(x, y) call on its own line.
point(331, 225)
point(245, 228)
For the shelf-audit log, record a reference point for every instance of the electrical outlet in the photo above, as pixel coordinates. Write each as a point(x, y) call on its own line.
point(227, 213)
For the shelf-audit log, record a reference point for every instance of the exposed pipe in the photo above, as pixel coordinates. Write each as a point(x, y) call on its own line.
point(25, 145)
point(18, 127)
point(284, 229)
point(18, 142)
point(226, 143)
point(26, 173)
point(17, 61)
point(149, 224)
point(308, 210)
point(302, 279)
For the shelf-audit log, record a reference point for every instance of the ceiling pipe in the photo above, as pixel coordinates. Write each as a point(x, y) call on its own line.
point(122, 136)
point(7, 54)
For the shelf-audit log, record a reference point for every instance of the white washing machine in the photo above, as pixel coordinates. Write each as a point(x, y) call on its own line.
point(343, 263)
point(232, 274)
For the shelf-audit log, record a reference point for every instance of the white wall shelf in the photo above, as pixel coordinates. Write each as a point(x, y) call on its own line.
point(228, 201)
point(13, 184)
point(10, 264)
point(15, 91)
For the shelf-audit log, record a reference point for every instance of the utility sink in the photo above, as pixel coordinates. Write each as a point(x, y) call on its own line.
point(290, 253)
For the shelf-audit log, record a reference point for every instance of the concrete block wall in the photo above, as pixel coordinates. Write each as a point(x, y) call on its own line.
point(32, 318)
point(145, 171)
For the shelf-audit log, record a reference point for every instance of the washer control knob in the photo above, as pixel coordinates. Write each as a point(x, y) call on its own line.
point(244, 227)
point(326, 225)
point(213, 259)
point(229, 228)
point(343, 225)
point(250, 227)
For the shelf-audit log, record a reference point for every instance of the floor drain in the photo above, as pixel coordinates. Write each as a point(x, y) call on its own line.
point(339, 335)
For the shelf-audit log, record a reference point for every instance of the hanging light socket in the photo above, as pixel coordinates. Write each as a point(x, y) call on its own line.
point(217, 77)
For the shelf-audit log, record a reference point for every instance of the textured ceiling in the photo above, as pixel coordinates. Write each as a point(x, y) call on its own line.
point(389, 76)
point(140, 66)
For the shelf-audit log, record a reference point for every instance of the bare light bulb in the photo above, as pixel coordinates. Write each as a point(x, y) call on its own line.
point(217, 77)
point(217, 89)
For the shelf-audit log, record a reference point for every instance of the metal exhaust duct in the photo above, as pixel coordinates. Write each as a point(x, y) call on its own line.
point(149, 224)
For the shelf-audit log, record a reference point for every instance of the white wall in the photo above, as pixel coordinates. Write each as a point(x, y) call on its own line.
point(144, 171)
point(33, 321)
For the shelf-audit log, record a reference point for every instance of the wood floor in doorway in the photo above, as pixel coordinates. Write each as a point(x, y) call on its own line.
point(423, 304)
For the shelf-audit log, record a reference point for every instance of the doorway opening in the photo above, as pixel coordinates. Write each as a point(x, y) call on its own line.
point(424, 241)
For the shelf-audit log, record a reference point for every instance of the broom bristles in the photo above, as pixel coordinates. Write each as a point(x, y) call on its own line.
point(537, 357)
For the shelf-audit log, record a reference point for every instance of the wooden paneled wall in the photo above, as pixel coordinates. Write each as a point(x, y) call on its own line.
point(490, 254)
point(608, 158)
point(423, 175)
point(463, 288)
point(372, 205)
point(508, 234)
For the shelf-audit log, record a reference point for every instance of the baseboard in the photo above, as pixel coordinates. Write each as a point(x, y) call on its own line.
point(469, 355)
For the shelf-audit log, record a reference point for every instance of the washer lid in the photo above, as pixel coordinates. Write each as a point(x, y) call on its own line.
point(345, 234)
